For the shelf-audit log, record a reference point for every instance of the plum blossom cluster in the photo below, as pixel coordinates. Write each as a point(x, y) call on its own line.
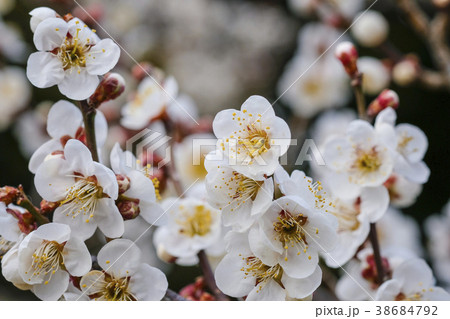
point(213, 192)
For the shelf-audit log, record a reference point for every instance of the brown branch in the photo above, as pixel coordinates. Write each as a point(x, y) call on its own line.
point(359, 95)
point(25, 202)
point(170, 128)
point(416, 17)
point(209, 276)
point(376, 253)
point(89, 127)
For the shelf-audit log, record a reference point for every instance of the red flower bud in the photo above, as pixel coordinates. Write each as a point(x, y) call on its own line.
point(124, 183)
point(48, 207)
point(348, 55)
point(111, 87)
point(387, 98)
point(128, 208)
point(8, 194)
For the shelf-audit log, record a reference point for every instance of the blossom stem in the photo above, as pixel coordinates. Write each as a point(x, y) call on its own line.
point(376, 253)
point(89, 127)
point(209, 276)
point(173, 296)
point(359, 95)
point(25, 202)
point(173, 174)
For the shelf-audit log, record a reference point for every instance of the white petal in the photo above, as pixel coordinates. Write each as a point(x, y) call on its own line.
point(106, 179)
point(120, 257)
point(415, 149)
point(102, 57)
point(299, 265)
point(40, 14)
point(44, 70)
point(374, 202)
point(93, 283)
point(79, 29)
point(64, 119)
point(415, 172)
point(78, 158)
point(108, 218)
point(270, 291)
point(101, 129)
point(148, 283)
point(77, 258)
point(53, 232)
point(256, 104)
point(414, 275)
point(80, 228)
point(361, 132)
point(223, 125)
point(50, 34)
point(41, 153)
point(388, 290)
point(230, 279)
point(48, 181)
point(78, 85)
point(258, 247)
point(301, 288)
point(55, 287)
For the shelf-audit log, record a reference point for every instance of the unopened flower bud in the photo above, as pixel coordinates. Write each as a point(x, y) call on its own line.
point(406, 71)
point(164, 255)
point(48, 207)
point(387, 98)
point(124, 183)
point(348, 55)
point(111, 87)
point(196, 291)
point(8, 194)
point(371, 29)
point(128, 208)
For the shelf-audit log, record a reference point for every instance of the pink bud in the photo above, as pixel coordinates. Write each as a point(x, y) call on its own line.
point(387, 98)
point(8, 194)
point(348, 55)
point(129, 208)
point(48, 207)
point(111, 87)
point(124, 183)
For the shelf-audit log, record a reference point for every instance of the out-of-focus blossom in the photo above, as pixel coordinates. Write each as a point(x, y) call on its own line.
point(86, 191)
point(71, 56)
point(398, 230)
point(65, 122)
point(192, 225)
point(253, 138)
point(150, 102)
point(402, 192)
point(241, 273)
point(360, 282)
point(46, 258)
point(411, 281)
point(406, 71)
point(375, 75)
point(12, 45)
point(15, 93)
point(371, 29)
point(437, 228)
point(124, 277)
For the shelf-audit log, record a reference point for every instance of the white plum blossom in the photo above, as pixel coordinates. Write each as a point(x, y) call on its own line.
point(10, 231)
point(150, 101)
point(240, 273)
point(412, 281)
point(40, 14)
point(65, 122)
point(296, 227)
point(252, 138)
point(360, 280)
point(362, 158)
point(436, 228)
point(239, 198)
point(71, 56)
point(124, 277)
point(354, 218)
point(137, 193)
point(86, 191)
point(48, 256)
point(370, 28)
point(411, 145)
point(193, 225)
point(402, 192)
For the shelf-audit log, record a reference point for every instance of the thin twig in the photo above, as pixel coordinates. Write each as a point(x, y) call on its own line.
point(25, 202)
point(359, 95)
point(173, 174)
point(173, 296)
point(209, 276)
point(376, 253)
point(89, 128)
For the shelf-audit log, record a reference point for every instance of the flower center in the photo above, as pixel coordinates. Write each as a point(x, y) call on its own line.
point(5, 245)
point(290, 232)
point(198, 223)
point(347, 215)
point(72, 52)
point(263, 273)
point(82, 197)
point(256, 142)
point(46, 260)
point(116, 289)
point(367, 161)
